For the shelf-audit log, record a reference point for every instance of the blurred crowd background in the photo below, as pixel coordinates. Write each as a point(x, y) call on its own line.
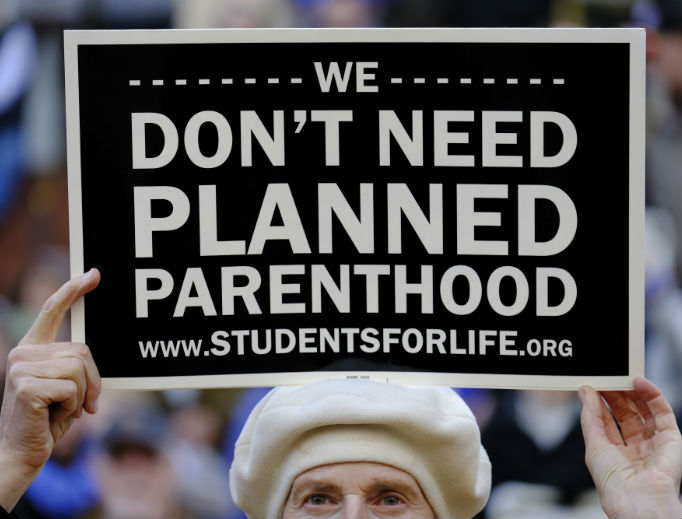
point(167, 454)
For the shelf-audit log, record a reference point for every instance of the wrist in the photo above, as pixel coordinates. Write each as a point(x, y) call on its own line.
point(654, 508)
point(15, 477)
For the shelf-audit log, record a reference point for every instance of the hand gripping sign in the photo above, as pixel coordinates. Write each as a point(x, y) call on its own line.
point(443, 206)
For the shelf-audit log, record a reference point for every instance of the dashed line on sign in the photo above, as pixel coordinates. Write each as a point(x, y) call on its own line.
point(394, 80)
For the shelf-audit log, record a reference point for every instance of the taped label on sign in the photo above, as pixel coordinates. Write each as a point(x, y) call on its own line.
point(430, 206)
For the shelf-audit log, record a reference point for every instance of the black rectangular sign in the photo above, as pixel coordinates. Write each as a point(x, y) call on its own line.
point(446, 206)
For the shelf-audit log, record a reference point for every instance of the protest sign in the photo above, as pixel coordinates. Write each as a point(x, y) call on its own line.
point(444, 206)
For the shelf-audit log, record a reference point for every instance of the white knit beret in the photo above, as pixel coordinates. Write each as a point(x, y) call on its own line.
point(428, 432)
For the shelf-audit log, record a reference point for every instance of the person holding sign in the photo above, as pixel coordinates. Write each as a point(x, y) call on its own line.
point(344, 448)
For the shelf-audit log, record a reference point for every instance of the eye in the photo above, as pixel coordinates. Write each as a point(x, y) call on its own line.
point(317, 500)
point(391, 500)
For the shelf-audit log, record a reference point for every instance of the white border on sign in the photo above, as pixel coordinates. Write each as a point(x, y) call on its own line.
point(73, 160)
point(634, 37)
point(424, 35)
point(413, 378)
point(636, 201)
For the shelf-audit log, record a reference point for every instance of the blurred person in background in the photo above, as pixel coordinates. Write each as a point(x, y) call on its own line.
point(663, 308)
point(536, 447)
point(663, 233)
point(663, 20)
point(134, 473)
point(68, 485)
point(340, 13)
point(458, 13)
point(47, 270)
point(65, 487)
point(89, 471)
point(196, 421)
point(17, 55)
point(132, 14)
point(278, 13)
point(201, 14)
point(43, 117)
point(36, 208)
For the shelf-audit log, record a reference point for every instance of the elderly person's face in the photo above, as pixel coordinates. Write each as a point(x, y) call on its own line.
point(356, 490)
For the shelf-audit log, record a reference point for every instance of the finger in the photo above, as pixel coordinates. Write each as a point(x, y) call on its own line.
point(654, 400)
point(59, 428)
point(645, 412)
point(599, 428)
point(40, 393)
point(46, 325)
point(627, 414)
point(65, 404)
point(68, 368)
point(41, 352)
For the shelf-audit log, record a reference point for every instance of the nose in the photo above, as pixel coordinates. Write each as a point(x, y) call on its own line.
point(354, 507)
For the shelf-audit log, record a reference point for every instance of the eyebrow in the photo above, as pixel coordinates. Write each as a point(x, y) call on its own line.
point(313, 486)
point(380, 486)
